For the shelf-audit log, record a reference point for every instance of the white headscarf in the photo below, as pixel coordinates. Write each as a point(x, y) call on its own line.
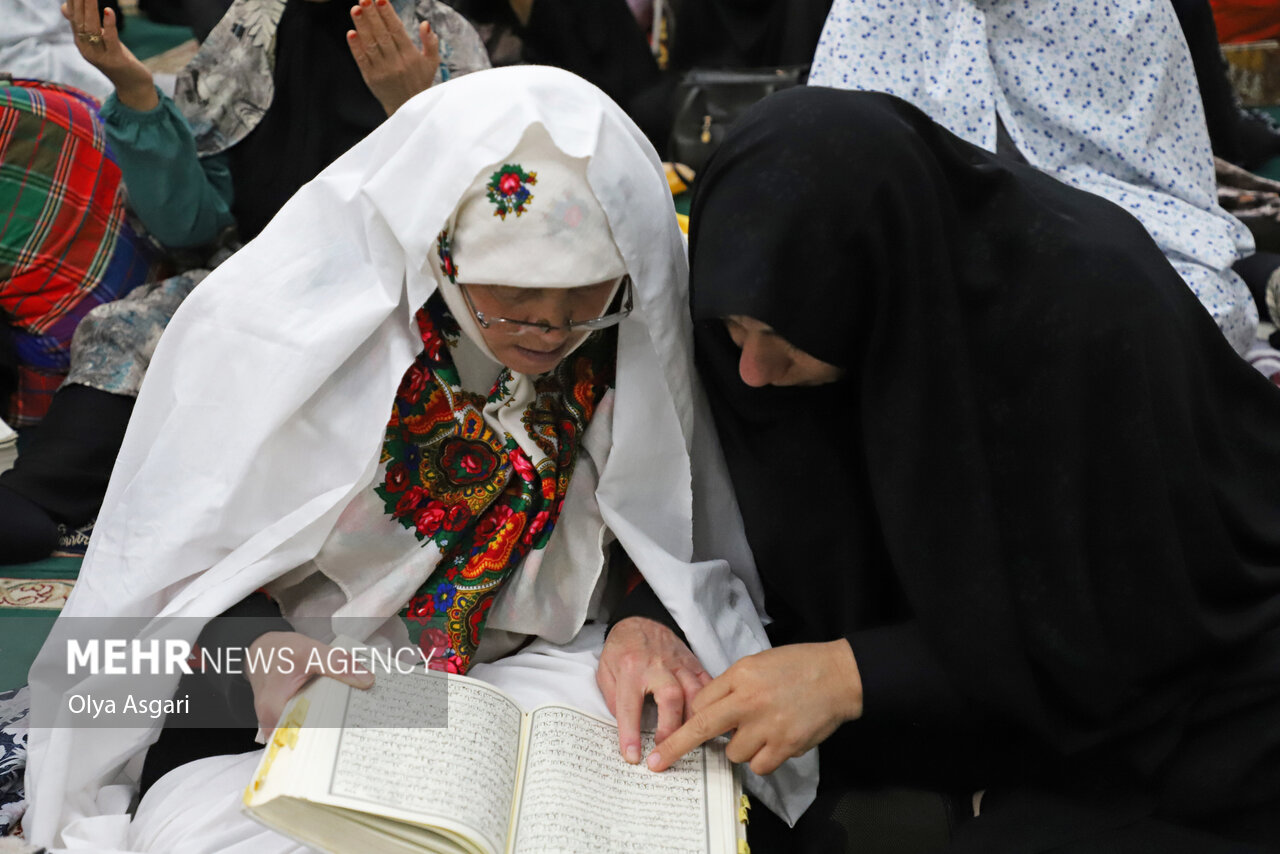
point(1100, 94)
point(263, 414)
point(494, 238)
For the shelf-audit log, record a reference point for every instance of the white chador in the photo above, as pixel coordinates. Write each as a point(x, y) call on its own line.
point(259, 427)
point(1100, 94)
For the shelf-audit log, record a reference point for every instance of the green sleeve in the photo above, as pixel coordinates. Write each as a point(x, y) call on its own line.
point(183, 200)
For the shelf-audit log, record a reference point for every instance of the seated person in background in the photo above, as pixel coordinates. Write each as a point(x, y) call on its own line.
point(1244, 138)
point(1034, 548)
point(1099, 94)
point(603, 41)
point(1238, 136)
point(454, 368)
point(66, 246)
point(278, 92)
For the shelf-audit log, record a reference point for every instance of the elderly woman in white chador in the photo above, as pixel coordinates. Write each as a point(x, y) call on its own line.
point(450, 373)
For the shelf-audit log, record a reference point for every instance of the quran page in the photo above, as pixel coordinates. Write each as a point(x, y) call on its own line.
point(459, 778)
point(578, 795)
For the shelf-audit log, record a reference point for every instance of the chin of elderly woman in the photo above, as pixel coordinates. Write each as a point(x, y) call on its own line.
point(1035, 551)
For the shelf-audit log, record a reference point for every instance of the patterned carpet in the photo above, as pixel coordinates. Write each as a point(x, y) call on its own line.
point(35, 593)
point(31, 595)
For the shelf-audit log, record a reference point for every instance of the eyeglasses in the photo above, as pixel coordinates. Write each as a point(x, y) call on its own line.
point(622, 305)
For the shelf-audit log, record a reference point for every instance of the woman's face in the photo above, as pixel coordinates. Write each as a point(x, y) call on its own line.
point(533, 350)
point(769, 359)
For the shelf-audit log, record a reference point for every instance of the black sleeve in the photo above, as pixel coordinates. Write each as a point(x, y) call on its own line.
point(245, 622)
point(640, 600)
point(904, 683)
point(237, 628)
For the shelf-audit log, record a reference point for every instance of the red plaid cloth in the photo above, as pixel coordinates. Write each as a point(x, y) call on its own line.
point(65, 246)
point(30, 402)
point(63, 199)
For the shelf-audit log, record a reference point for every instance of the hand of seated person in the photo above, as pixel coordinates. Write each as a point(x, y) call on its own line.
point(293, 665)
point(643, 657)
point(780, 703)
point(98, 41)
point(392, 67)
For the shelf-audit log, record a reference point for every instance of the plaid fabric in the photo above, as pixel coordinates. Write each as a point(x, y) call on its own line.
point(65, 246)
point(130, 266)
point(30, 402)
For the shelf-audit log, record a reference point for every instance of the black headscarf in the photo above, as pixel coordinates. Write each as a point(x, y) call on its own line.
point(321, 107)
point(1043, 451)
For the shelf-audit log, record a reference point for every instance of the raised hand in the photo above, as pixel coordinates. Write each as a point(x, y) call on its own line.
point(100, 45)
point(393, 69)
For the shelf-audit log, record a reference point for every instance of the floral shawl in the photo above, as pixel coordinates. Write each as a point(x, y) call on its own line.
point(472, 490)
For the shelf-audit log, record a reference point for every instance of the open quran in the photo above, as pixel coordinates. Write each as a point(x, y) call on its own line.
point(354, 771)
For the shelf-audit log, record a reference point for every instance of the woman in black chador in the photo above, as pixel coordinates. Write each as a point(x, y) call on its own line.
point(1015, 500)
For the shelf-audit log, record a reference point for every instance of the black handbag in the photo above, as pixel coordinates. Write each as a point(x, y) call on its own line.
point(709, 100)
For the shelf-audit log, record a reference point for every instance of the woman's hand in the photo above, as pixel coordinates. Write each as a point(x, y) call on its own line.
point(100, 44)
point(642, 657)
point(781, 703)
point(393, 69)
point(276, 684)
